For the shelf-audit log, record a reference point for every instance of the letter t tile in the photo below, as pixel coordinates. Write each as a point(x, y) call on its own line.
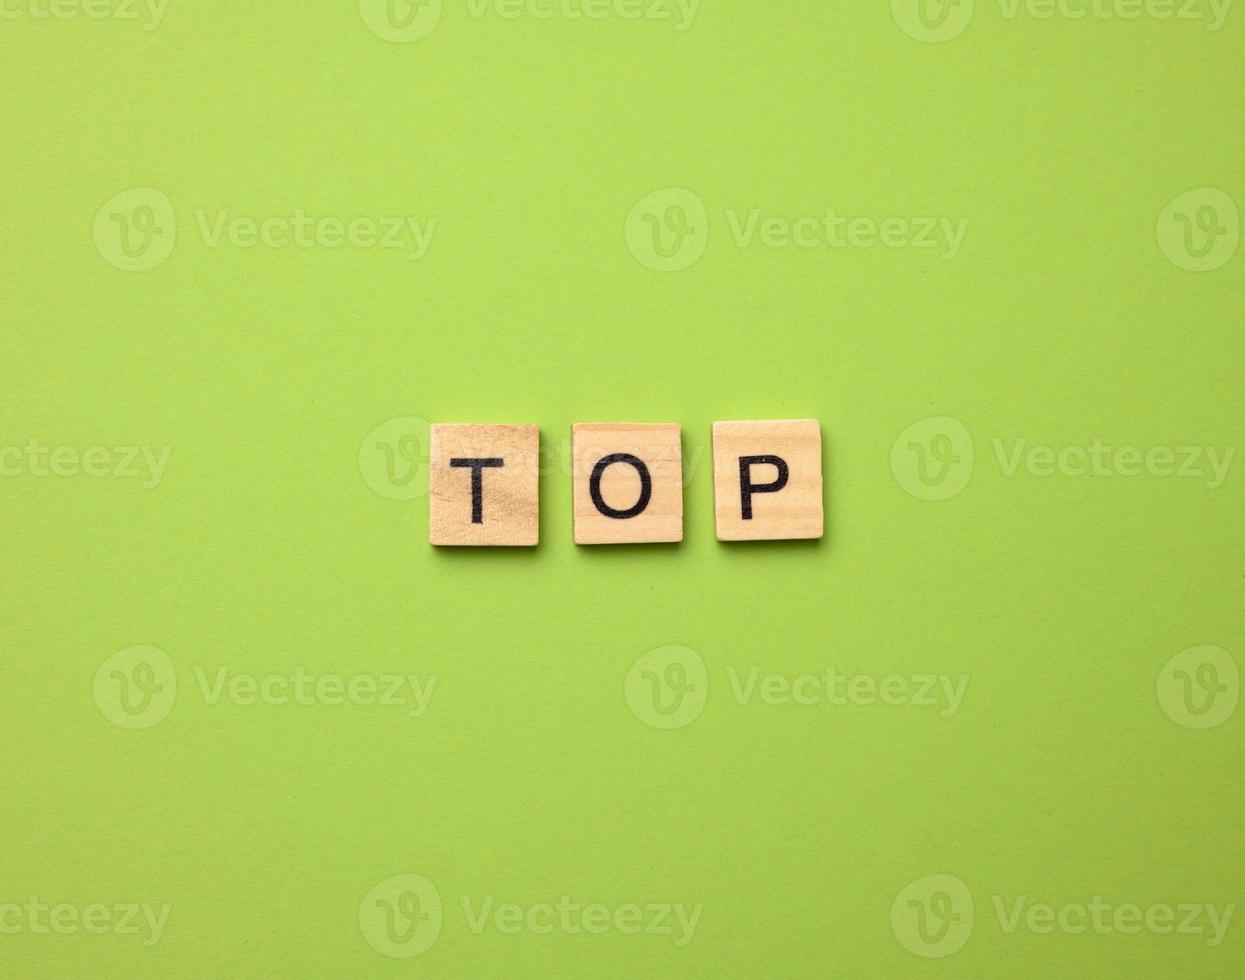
point(484, 485)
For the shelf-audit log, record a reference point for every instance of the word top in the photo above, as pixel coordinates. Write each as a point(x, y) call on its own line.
point(627, 483)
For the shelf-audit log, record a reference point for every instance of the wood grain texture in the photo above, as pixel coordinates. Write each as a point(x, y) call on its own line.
point(509, 512)
point(659, 448)
point(792, 512)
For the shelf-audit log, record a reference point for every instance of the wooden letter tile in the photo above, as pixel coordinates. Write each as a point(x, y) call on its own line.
point(767, 480)
point(627, 483)
point(483, 485)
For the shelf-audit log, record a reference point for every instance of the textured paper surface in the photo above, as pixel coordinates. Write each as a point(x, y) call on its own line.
point(620, 207)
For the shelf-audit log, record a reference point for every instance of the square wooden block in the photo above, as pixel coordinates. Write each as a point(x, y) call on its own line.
point(484, 485)
point(627, 483)
point(767, 480)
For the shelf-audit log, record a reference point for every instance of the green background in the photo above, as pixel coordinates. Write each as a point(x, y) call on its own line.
point(264, 549)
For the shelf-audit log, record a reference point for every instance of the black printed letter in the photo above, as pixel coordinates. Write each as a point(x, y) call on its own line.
point(477, 467)
point(747, 488)
point(646, 486)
